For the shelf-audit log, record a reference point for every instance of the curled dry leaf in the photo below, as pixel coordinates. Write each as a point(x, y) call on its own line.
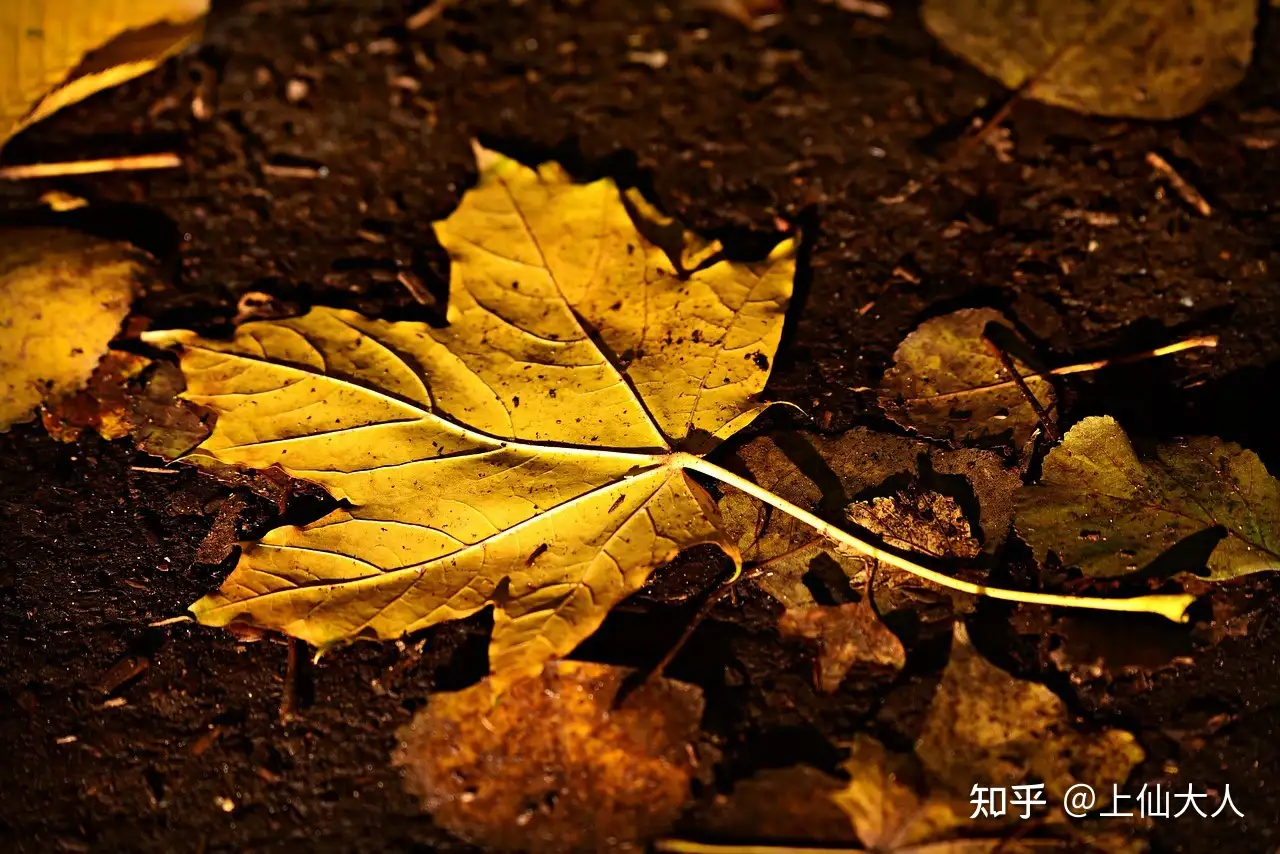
point(987, 725)
point(531, 455)
point(551, 765)
point(63, 296)
point(1195, 503)
point(826, 474)
point(847, 635)
point(1150, 59)
point(946, 383)
point(62, 51)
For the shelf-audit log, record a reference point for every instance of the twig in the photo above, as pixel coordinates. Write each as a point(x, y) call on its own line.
point(289, 701)
point(1189, 194)
point(277, 171)
point(155, 470)
point(172, 621)
point(427, 14)
point(132, 163)
point(1046, 423)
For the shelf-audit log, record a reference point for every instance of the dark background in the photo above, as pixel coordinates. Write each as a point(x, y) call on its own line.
point(809, 121)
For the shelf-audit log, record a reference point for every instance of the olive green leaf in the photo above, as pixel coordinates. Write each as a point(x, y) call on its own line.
point(1151, 59)
point(1102, 507)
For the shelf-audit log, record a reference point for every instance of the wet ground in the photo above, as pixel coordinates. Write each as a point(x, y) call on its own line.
point(323, 138)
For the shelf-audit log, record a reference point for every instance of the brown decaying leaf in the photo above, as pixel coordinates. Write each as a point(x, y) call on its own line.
point(552, 766)
point(101, 405)
point(926, 522)
point(779, 804)
point(847, 636)
point(946, 383)
point(130, 395)
point(218, 544)
point(850, 465)
point(1151, 59)
point(1103, 508)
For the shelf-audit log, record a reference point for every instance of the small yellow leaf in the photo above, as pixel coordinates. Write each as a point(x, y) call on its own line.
point(529, 455)
point(58, 52)
point(63, 296)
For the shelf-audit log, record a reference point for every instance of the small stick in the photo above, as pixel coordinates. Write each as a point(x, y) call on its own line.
point(1189, 194)
point(1046, 423)
point(172, 621)
point(132, 163)
point(154, 470)
point(290, 699)
point(427, 14)
point(277, 171)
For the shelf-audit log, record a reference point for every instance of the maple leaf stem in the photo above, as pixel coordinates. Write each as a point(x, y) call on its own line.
point(1171, 606)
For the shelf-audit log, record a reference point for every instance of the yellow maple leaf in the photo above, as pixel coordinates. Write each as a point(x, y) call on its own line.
point(533, 454)
point(512, 445)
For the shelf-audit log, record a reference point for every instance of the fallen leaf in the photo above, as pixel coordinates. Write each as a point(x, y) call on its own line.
point(218, 544)
point(825, 475)
point(779, 804)
point(63, 296)
point(550, 765)
point(947, 384)
point(130, 395)
point(62, 51)
point(984, 728)
point(1198, 502)
point(847, 635)
point(1149, 59)
point(531, 455)
point(990, 728)
point(925, 522)
point(101, 405)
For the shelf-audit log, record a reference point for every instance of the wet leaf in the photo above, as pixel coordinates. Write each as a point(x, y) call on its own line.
point(825, 475)
point(528, 455)
point(61, 51)
point(847, 635)
point(986, 725)
point(1151, 59)
point(63, 296)
point(946, 383)
point(551, 765)
point(1198, 502)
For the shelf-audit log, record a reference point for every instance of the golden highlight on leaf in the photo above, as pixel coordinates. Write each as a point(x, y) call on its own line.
point(530, 455)
point(63, 296)
point(1198, 502)
point(58, 52)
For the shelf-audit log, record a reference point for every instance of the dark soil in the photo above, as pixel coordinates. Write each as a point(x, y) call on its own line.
point(810, 122)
